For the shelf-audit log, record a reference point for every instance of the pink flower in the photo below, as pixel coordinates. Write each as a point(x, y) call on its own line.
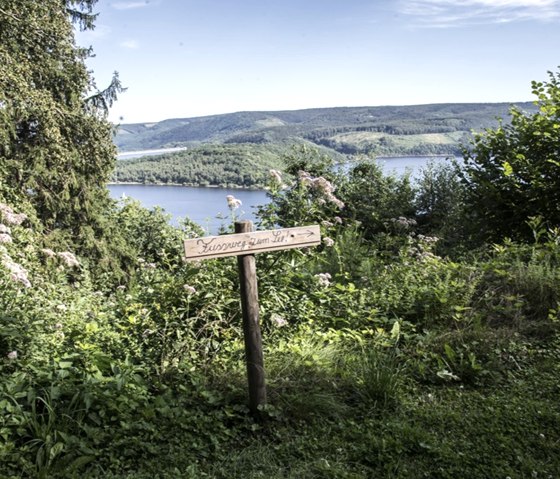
point(5, 238)
point(18, 272)
point(322, 186)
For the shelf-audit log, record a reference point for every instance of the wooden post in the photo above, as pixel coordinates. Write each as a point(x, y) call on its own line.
point(251, 328)
point(245, 244)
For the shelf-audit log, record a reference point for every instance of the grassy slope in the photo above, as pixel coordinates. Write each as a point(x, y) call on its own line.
point(508, 429)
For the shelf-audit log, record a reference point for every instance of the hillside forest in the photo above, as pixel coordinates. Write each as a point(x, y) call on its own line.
point(255, 142)
point(420, 339)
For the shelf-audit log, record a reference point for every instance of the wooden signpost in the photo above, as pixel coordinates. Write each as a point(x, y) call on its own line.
point(244, 244)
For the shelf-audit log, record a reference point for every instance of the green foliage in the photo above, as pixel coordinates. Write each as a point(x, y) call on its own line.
point(307, 195)
point(521, 283)
point(512, 172)
point(373, 199)
point(56, 151)
point(389, 130)
point(440, 204)
point(106, 384)
point(51, 147)
point(210, 165)
point(384, 359)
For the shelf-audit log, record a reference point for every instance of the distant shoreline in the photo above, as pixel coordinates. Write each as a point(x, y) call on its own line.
point(132, 155)
point(233, 187)
point(413, 156)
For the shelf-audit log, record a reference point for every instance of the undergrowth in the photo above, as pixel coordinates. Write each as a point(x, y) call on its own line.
point(383, 358)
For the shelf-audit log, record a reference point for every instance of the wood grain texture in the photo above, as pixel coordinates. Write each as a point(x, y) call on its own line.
point(251, 327)
point(251, 242)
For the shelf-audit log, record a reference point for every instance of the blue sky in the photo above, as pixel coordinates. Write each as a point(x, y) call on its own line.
point(186, 58)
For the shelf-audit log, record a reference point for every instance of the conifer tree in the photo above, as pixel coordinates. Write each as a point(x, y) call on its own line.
point(56, 148)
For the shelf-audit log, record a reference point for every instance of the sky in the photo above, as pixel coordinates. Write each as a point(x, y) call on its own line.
point(188, 58)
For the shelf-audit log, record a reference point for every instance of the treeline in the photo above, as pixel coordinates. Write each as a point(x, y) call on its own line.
point(394, 128)
point(244, 165)
point(392, 142)
point(386, 146)
point(279, 126)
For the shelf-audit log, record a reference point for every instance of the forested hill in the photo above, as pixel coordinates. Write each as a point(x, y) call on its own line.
point(384, 130)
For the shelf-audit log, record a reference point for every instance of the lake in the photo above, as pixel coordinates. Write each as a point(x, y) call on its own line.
point(202, 205)
point(399, 165)
point(205, 205)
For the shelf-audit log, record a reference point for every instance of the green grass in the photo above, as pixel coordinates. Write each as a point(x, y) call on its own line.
point(509, 428)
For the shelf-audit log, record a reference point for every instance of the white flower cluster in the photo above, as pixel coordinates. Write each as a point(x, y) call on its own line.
point(428, 239)
point(403, 223)
point(329, 242)
point(69, 259)
point(423, 247)
point(5, 238)
point(142, 262)
point(324, 279)
point(189, 289)
point(233, 202)
point(278, 320)
point(5, 234)
point(322, 186)
point(276, 176)
point(18, 274)
point(10, 217)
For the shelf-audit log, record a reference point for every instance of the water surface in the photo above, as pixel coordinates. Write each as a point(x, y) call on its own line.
point(208, 206)
point(202, 205)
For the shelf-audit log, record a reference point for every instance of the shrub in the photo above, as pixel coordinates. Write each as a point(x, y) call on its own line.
point(512, 172)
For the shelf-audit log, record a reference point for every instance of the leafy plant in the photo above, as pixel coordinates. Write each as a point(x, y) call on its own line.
point(512, 172)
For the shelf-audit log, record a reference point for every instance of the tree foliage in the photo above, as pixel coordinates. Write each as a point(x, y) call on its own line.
point(55, 144)
point(56, 149)
point(243, 165)
point(513, 171)
point(374, 199)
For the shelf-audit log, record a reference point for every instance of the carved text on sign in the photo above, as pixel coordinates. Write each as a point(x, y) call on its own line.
point(250, 243)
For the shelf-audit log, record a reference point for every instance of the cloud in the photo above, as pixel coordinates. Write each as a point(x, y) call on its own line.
point(456, 13)
point(130, 44)
point(130, 5)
